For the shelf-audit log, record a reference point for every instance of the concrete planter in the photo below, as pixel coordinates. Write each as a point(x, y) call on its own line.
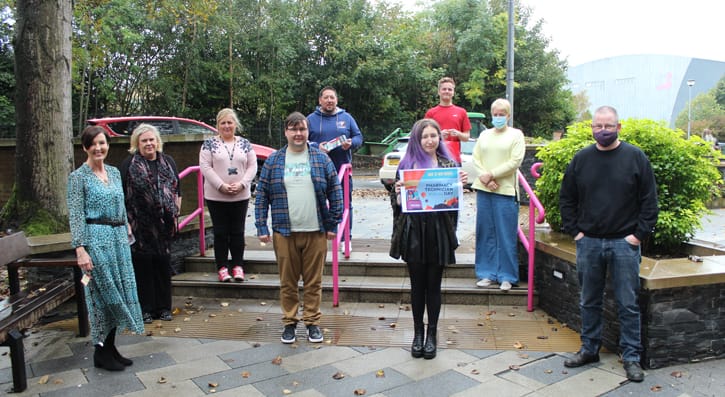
point(13, 247)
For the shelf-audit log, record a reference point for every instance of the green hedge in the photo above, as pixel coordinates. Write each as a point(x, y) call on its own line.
point(686, 174)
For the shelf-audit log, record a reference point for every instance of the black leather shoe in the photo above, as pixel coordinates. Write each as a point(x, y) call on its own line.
point(147, 318)
point(634, 371)
point(416, 349)
point(429, 348)
point(581, 358)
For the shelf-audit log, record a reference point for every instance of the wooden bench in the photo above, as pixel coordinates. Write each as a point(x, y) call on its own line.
point(22, 309)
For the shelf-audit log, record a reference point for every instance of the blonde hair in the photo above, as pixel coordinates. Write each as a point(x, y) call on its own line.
point(502, 104)
point(446, 80)
point(142, 129)
point(228, 112)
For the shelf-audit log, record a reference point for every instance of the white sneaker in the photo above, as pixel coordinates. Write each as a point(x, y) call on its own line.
point(505, 286)
point(484, 282)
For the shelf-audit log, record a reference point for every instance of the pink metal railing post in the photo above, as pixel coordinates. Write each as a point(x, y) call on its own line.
point(199, 211)
point(529, 242)
point(343, 230)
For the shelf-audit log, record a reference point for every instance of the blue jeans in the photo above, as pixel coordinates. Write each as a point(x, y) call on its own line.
point(593, 257)
point(497, 222)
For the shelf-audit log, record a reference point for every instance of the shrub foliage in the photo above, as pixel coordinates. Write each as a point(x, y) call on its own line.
point(685, 170)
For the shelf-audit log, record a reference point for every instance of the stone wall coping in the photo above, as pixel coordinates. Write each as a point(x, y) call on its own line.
point(61, 242)
point(655, 273)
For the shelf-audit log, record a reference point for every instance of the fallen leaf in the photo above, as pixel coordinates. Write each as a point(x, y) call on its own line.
point(187, 319)
point(360, 392)
point(177, 330)
point(149, 333)
point(212, 315)
point(542, 337)
point(253, 277)
point(548, 371)
point(393, 325)
point(514, 367)
point(380, 374)
point(518, 345)
point(676, 374)
point(175, 311)
point(381, 318)
point(523, 356)
point(43, 379)
point(245, 374)
point(260, 318)
point(263, 303)
point(338, 375)
point(286, 391)
point(512, 314)
point(656, 388)
point(213, 384)
point(58, 381)
point(381, 305)
point(224, 304)
point(277, 360)
point(475, 371)
point(345, 312)
point(161, 380)
point(162, 333)
point(256, 344)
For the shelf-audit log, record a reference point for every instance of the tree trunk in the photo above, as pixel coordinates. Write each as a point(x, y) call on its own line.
point(44, 152)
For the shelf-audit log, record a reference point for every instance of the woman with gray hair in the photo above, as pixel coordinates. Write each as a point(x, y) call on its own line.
point(153, 199)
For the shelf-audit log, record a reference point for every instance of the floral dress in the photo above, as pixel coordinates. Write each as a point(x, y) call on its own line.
point(111, 296)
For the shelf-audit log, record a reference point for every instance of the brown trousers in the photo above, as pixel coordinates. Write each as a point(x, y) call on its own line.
point(300, 255)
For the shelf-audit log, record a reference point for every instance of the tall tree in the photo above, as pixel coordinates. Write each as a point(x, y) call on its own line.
point(44, 154)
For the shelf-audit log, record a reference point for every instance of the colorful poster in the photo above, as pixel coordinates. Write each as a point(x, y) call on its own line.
point(434, 189)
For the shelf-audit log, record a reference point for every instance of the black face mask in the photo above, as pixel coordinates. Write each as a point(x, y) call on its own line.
point(605, 137)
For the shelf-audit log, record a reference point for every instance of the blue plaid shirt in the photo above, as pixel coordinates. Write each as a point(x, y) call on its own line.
point(271, 193)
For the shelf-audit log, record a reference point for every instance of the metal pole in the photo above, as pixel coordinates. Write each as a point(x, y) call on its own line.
point(689, 108)
point(510, 62)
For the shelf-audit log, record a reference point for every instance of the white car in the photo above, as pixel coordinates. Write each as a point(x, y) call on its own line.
point(392, 159)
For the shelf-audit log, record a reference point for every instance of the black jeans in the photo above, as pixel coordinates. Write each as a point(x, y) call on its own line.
point(228, 219)
point(153, 281)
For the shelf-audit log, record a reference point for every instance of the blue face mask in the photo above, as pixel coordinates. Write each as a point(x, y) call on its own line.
point(498, 121)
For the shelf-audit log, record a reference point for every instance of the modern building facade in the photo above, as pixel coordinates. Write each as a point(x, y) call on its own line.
point(645, 86)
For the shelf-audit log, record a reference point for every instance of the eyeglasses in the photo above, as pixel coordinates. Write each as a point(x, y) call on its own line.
point(298, 129)
point(608, 127)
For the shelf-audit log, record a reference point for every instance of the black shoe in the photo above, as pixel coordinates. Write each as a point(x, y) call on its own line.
point(429, 349)
point(118, 357)
point(416, 349)
point(581, 358)
point(147, 318)
point(314, 334)
point(634, 371)
point(288, 335)
point(103, 358)
point(165, 315)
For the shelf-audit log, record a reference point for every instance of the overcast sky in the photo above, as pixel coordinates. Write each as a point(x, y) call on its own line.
point(585, 30)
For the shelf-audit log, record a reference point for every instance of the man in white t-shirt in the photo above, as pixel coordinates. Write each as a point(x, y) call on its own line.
point(295, 184)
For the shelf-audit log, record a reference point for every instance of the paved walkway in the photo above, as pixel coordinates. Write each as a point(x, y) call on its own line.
point(60, 364)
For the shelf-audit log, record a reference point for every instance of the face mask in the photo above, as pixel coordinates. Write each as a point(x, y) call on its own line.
point(498, 122)
point(604, 137)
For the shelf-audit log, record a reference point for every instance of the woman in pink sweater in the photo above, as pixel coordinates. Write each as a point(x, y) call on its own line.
point(229, 164)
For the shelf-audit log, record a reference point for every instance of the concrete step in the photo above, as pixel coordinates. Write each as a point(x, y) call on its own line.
point(364, 277)
point(359, 264)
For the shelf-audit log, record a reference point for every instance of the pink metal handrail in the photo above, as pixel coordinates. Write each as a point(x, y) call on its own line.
point(343, 230)
point(199, 211)
point(529, 242)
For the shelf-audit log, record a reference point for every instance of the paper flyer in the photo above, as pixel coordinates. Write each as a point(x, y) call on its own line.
point(434, 189)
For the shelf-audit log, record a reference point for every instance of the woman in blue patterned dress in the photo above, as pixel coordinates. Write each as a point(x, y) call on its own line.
point(100, 235)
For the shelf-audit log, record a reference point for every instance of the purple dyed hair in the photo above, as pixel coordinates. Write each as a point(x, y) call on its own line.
point(415, 156)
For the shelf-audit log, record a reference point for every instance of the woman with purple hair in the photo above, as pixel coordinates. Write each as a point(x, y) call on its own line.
point(426, 240)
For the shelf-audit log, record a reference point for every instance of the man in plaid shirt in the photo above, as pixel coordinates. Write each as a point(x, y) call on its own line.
point(297, 182)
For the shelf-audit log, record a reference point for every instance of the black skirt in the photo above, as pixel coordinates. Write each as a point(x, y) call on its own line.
point(427, 237)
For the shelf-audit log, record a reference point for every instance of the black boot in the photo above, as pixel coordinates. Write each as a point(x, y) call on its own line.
point(110, 344)
point(429, 349)
point(416, 350)
point(103, 358)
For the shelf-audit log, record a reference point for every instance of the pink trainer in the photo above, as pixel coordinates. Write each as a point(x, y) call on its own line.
point(238, 273)
point(224, 274)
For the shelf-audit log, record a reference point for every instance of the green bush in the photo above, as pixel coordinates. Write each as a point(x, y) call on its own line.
point(686, 173)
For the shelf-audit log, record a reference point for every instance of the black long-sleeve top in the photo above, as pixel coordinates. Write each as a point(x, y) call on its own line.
point(609, 194)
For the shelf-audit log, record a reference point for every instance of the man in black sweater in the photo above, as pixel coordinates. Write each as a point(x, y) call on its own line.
point(608, 203)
